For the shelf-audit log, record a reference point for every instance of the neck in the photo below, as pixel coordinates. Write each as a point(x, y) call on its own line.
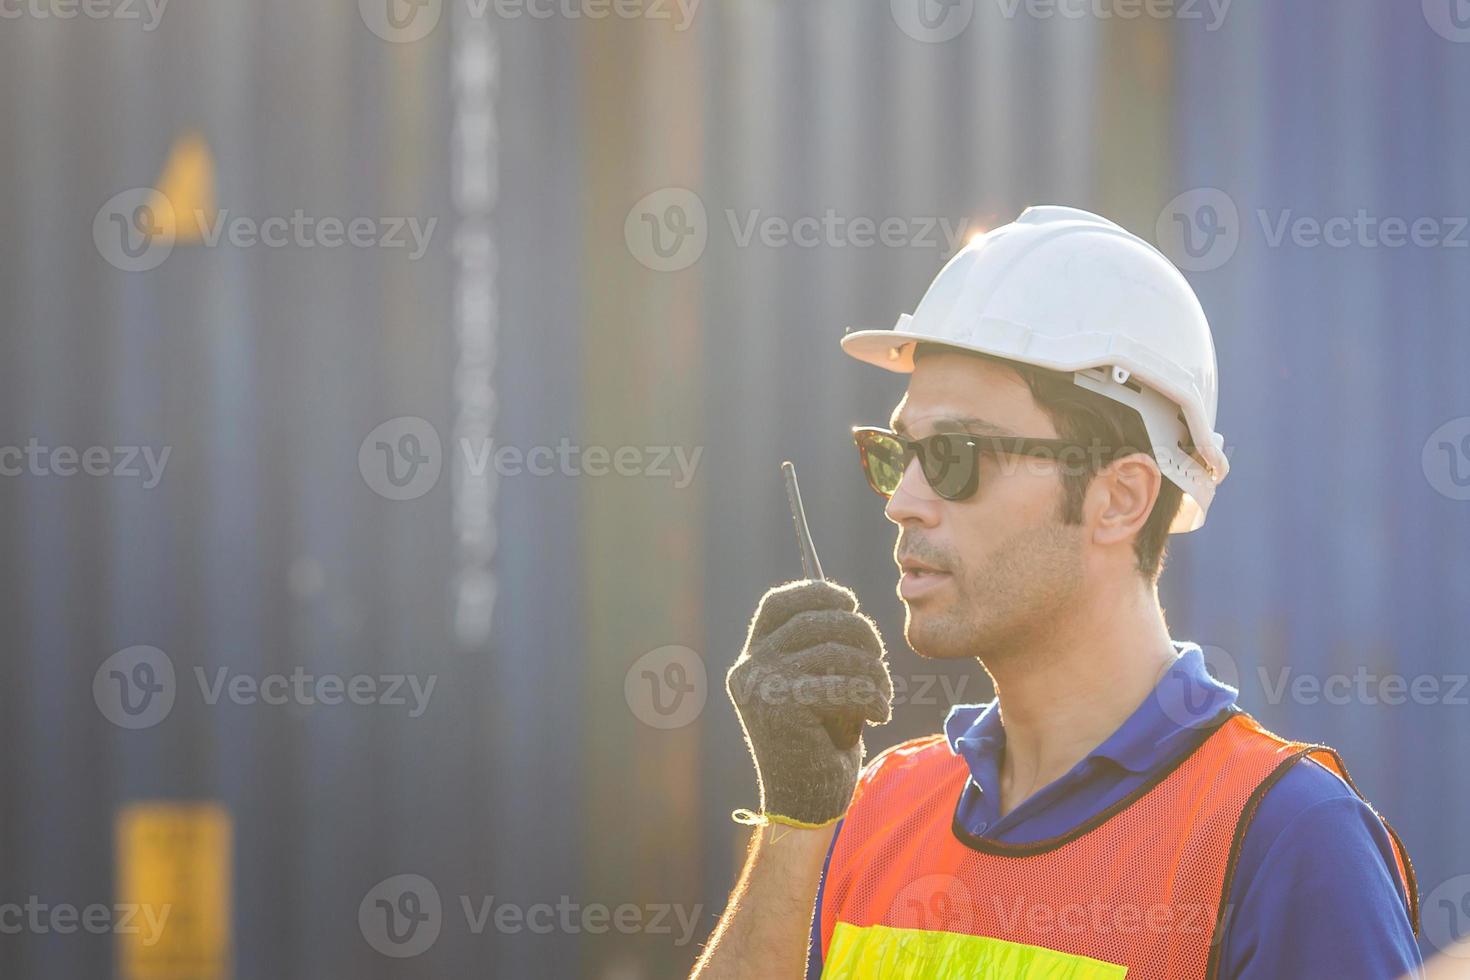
point(1063, 693)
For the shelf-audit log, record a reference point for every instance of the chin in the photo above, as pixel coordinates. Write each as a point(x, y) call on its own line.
point(936, 635)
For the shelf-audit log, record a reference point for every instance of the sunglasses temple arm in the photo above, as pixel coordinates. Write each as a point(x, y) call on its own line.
point(809, 563)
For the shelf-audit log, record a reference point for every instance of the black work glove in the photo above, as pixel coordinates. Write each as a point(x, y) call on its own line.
point(811, 673)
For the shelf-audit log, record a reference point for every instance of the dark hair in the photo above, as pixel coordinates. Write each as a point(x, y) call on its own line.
point(1085, 417)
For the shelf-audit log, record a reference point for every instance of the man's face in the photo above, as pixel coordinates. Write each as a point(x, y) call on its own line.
point(980, 575)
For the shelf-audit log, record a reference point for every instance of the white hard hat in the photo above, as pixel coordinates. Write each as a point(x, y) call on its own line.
point(1067, 290)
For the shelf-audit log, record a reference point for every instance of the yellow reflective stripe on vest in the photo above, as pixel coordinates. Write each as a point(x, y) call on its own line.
point(861, 952)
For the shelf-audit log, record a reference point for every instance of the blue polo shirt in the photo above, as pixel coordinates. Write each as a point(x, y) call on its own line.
point(1316, 892)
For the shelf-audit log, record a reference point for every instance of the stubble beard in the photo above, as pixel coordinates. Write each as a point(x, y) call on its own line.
point(1006, 606)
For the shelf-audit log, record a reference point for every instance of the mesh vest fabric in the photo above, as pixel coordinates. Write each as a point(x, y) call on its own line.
point(1139, 888)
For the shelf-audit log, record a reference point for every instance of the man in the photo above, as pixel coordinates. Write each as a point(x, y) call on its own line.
point(1112, 812)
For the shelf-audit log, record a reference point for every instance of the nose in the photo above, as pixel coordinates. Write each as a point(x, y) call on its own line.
point(914, 502)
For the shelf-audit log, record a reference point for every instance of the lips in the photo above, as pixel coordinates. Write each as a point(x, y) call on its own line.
point(919, 578)
point(920, 567)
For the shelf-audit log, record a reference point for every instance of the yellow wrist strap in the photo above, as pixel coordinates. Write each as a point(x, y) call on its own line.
point(749, 818)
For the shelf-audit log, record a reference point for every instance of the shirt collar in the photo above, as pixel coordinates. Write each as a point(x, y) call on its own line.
point(1185, 699)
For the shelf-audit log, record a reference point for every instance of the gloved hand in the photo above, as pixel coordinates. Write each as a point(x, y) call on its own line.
point(811, 673)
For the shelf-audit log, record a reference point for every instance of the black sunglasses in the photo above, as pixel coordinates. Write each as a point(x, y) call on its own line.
point(950, 460)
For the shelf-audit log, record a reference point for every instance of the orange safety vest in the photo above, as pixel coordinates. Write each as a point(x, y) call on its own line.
point(1139, 889)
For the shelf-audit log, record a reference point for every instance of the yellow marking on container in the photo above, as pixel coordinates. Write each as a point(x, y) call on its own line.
point(183, 198)
point(174, 889)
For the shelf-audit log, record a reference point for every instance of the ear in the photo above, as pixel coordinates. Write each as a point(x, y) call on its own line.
point(1121, 497)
